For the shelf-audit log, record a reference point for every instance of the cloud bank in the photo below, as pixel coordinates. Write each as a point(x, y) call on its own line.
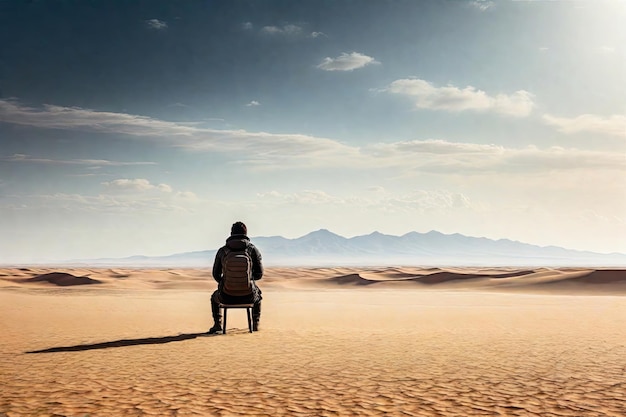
point(263, 150)
point(90, 162)
point(454, 99)
point(260, 147)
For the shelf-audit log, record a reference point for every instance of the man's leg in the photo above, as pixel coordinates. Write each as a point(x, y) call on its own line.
point(256, 315)
point(217, 314)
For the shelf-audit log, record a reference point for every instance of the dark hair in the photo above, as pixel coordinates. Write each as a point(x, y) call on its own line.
point(238, 228)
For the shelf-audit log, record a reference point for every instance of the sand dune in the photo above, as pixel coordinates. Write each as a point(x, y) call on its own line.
point(608, 276)
point(440, 277)
point(354, 279)
point(564, 280)
point(557, 281)
point(334, 341)
point(62, 279)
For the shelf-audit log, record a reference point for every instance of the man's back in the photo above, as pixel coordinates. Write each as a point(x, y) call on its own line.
point(237, 268)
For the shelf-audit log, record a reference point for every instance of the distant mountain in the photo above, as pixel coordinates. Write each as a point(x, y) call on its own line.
point(324, 248)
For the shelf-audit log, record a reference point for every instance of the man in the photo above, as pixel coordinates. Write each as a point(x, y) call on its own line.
point(236, 268)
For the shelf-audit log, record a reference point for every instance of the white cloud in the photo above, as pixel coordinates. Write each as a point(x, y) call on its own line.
point(346, 62)
point(555, 158)
point(419, 200)
point(607, 49)
point(164, 188)
point(433, 146)
point(286, 30)
point(444, 157)
point(188, 195)
point(614, 125)
point(261, 150)
point(93, 162)
point(142, 203)
point(451, 98)
point(57, 117)
point(253, 103)
point(429, 200)
point(156, 24)
point(305, 197)
point(482, 5)
point(264, 147)
point(138, 184)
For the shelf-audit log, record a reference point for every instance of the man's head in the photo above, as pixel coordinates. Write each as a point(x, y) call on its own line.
point(238, 228)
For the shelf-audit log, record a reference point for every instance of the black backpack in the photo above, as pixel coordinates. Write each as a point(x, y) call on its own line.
point(237, 272)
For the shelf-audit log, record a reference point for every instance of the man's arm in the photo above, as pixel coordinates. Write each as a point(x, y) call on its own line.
point(257, 263)
point(217, 266)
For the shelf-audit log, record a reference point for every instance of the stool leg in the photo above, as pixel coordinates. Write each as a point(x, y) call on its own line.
point(224, 325)
point(249, 313)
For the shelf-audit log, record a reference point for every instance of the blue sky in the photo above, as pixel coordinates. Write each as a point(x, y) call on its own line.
point(148, 127)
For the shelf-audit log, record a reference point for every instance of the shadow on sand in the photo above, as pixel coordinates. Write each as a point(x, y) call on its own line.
point(124, 342)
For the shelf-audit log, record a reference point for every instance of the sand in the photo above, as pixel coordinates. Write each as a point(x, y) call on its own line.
point(333, 341)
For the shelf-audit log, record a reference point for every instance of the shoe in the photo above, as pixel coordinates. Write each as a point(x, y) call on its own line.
point(255, 326)
point(217, 328)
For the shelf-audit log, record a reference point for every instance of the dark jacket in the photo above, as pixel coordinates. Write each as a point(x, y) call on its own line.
point(238, 242)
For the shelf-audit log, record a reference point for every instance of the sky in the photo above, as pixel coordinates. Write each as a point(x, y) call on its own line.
point(149, 127)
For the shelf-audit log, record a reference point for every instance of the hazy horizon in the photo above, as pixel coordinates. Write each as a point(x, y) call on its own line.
point(149, 128)
point(323, 248)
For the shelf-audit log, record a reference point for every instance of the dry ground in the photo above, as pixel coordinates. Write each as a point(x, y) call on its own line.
point(331, 343)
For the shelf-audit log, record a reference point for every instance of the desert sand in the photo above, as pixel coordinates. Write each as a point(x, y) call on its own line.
point(333, 341)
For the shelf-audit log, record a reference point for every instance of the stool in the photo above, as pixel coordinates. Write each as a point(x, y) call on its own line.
point(248, 308)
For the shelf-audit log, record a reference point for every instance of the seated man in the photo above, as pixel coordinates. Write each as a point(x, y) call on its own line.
point(236, 268)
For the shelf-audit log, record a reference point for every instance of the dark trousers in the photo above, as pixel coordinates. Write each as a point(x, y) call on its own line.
point(220, 297)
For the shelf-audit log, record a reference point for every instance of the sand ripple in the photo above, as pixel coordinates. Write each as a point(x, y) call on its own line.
point(319, 354)
point(295, 374)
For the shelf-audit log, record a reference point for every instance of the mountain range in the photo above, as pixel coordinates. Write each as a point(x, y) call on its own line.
point(324, 248)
